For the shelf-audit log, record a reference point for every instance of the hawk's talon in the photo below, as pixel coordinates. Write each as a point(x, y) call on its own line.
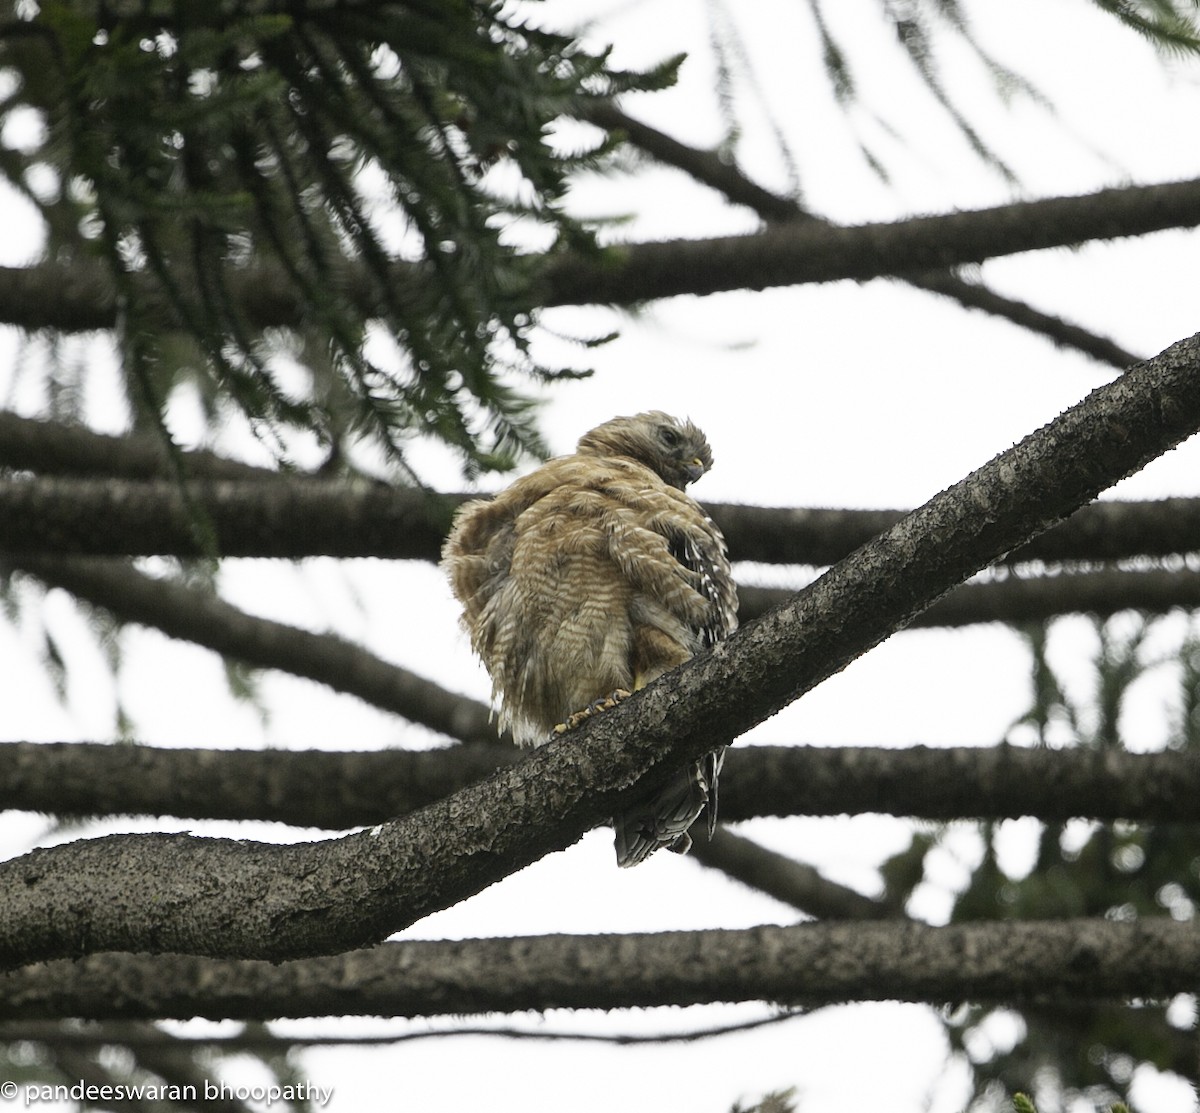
point(604, 703)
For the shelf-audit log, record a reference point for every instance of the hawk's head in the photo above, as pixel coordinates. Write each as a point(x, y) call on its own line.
point(676, 450)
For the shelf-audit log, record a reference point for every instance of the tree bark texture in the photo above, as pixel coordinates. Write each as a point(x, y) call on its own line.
point(1025, 962)
point(360, 788)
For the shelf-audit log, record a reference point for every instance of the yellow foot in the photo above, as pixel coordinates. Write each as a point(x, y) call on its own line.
point(604, 703)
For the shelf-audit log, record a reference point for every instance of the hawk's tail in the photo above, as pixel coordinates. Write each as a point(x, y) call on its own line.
point(662, 816)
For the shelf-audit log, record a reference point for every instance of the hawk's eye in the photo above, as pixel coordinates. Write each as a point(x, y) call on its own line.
point(670, 437)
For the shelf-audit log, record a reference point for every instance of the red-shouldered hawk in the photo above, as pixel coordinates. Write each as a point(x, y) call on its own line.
point(589, 578)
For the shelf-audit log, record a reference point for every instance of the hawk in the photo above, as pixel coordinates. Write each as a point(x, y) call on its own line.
point(589, 578)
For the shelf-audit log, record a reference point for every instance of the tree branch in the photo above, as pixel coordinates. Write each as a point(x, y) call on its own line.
point(1047, 961)
point(356, 788)
point(157, 893)
point(1098, 531)
point(797, 253)
point(795, 883)
point(76, 779)
point(1031, 599)
point(276, 517)
point(128, 513)
point(710, 169)
point(81, 298)
point(56, 448)
point(207, 620)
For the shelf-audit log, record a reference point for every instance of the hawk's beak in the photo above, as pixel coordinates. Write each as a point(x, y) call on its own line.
point(694, 470)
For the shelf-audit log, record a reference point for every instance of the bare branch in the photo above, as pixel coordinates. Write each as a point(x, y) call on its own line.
point(797, 253)
point(1060, 332)
point(360, 788)
point(356, 788)
point(1097, 532)
point(1047, 962)
point(795, 883)
point(277, 517)
point(158, 893)
point(55, 448)
point(259, 1039)
point(293, 516)
point(1033, 599)
point(207, 620)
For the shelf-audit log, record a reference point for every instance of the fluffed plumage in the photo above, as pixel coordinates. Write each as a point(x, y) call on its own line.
point(594, 575)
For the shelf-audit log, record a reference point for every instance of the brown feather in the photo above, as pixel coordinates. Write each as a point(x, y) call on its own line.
point(592, 574)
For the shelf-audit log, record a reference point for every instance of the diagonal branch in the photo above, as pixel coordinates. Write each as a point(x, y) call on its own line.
point(182, 612)
point(1047, 961)
point(710, 169)
point(786, 879)
point(157, 893)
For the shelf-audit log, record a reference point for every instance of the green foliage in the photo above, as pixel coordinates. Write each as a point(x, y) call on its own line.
point(362, 167)
point(1022, 1103)
point(1168, 24)
point(777, 1101)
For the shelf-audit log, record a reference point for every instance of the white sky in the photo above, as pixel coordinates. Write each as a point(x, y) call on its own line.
point(852, 395)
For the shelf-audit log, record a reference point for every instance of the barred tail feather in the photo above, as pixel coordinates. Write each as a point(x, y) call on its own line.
point(662, 816)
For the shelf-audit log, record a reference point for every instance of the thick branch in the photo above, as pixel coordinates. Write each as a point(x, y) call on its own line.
point(55, 448)
point(207, 620)
point(108, 517)
point(281, 516)
point(274, 517)
point(356, 788)
point(1097, 532)
point(80, 298)
point(1046, 962)
point(797, 253)
point(360, 788)
point(254, 512)
point(221, 898)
